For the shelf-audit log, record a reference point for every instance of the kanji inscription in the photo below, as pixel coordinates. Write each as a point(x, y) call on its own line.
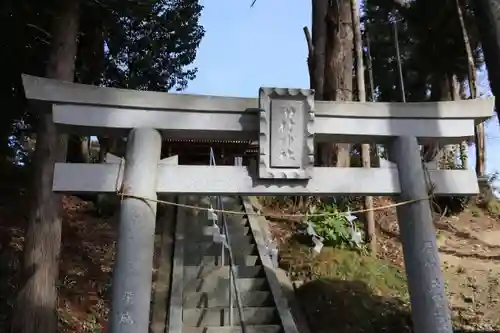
point(286, 133)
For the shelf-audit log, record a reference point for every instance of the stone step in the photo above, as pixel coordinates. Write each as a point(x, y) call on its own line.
point(216, 284)
point(238, 229)
point(239, 254)
point(196, 272)
point(207, 239)
point(230, 221)
point(206, 229)
point(220, 298)
point(220, 316)
point(215, 249)
point(248, 329)
point(200, 260)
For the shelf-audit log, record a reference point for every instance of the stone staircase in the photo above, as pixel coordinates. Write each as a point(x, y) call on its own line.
point(200, 300)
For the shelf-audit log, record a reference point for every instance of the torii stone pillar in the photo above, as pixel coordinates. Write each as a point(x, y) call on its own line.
point(132, 272)
point(429, 305)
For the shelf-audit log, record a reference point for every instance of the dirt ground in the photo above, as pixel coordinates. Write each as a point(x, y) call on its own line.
point(469, 246)
point(85, 266)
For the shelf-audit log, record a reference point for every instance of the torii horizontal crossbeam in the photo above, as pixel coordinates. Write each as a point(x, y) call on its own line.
point(91, 110)
point(230, 180)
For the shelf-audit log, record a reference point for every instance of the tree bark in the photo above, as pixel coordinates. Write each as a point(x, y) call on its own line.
point(488, 24)
point(440, 91)
point(103, 148)
point(90, 66)
point(319, 36)
point(330, 66)
point(338, 69)
point(37, 300)
point(78, 149)
point(375, 148)
point(449, 152)
point(316, 63)
point(464, 146)
point(480, 146)
point(370, 231)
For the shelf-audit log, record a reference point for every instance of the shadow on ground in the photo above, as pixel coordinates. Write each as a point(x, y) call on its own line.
point(341, 306)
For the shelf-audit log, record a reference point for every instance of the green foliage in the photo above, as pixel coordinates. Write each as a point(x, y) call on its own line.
point(493, 207)
point(437, 32)
point(333, 227)
point(137, 44)
point(430, 42)
point(23, 49)
point(153, 51)
point(326, 215)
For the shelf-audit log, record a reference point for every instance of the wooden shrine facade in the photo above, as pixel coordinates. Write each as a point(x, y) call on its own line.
point(197, 152)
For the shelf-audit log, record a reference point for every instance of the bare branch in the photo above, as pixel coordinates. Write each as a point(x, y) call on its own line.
point(39, 29)
point(310, 45)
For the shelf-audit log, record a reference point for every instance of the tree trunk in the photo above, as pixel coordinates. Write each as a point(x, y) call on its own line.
point(464, 146)
point(319, 36)
point(488, 24)
point(375, 148)
point(330, 66)
point(440, 91)
point(112, 145)
point(369, 65)
point(446, 90)
point(449, 152)
point(316, 45)
point(78, 149)
point(338, 68)
point(37, 300)
point(103, 148)
point(398, 58)
point(480, 146)
point(365, 148)
point(90, 66)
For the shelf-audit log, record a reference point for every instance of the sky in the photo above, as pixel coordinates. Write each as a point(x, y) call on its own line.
point(246, 48)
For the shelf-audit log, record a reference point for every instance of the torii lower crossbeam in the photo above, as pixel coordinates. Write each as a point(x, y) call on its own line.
point(231, 180)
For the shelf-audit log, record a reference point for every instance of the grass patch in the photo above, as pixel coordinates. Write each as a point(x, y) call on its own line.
point(382, 277)
point(493, 207)
point(348, 291)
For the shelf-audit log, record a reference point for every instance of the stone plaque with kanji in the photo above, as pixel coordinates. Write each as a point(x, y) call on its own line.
point(286, 133)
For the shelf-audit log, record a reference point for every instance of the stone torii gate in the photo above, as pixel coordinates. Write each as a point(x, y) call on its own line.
point(287, 123)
